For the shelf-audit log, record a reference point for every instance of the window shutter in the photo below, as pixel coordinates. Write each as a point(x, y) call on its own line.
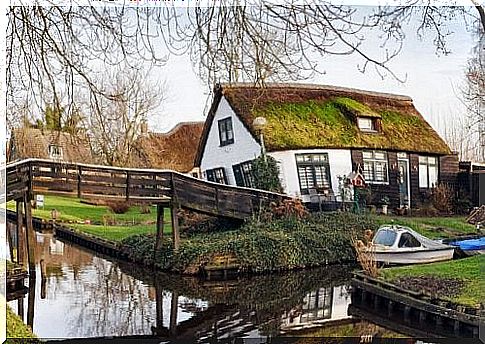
point(238, 175)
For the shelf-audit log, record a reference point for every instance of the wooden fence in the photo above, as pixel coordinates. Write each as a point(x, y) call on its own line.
point(36, 176)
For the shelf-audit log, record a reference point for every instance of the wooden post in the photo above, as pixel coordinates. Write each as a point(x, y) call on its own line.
point(159, 239)
point(175, 220)
point(31, 303)
point(79, 180)
point(390, 307)
point(43, 279)
point(175, 228)
point(30, 236)
point(159, 306)
point(20, 231)
point(173, 313)
point(10, 241)
point(127, 191)
point(20, 308)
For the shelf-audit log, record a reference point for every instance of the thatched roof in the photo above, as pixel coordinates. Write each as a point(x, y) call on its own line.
point(174, 150)
point(303, 116)
point(34, 143)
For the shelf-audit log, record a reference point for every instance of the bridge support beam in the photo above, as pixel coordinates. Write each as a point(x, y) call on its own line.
point(160, 227)
point(20, 256)
point(30, 236)
point(175, 227)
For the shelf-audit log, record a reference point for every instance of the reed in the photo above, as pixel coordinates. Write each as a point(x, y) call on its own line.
point(366, 254)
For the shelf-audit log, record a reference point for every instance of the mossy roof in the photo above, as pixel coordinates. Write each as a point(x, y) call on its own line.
point(303, 116)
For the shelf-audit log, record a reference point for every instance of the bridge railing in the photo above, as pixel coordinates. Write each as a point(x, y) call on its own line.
point(140, 185)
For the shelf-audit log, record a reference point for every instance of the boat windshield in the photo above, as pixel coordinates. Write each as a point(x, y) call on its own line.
point(385, 237)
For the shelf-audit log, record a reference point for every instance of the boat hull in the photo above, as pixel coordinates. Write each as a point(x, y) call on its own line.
point(414, 257)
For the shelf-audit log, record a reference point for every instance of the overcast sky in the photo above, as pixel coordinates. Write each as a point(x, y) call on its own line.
point(433, 81)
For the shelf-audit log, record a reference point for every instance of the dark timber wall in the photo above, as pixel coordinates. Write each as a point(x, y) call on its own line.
point(447, 173)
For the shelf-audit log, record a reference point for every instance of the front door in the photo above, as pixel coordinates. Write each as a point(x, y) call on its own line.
point(403, 180)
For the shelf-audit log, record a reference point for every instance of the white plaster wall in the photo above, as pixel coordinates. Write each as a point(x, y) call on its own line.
point(244, 147)
point(340, 163)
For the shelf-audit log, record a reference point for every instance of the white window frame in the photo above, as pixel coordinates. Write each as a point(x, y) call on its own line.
point(374, 161)
point(361, 121)
point(427, 162)
point(55, 156)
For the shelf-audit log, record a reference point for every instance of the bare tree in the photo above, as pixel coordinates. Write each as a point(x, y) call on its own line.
point(115, 122)
point(53, 51)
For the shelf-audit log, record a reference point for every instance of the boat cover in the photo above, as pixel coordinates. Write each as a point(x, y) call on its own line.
point(470, 244)
point(426, 242)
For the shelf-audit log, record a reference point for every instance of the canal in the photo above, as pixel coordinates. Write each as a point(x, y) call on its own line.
point(79, 294)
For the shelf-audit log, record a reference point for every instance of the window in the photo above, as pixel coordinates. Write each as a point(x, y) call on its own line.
point(226, 135)
point(366, 124)
point(428, 171)
point(217, 175)
point(243, 174)
point(55, 152)
point(407, 240)
point(385, 237)
point(313, 172)
point(375, 166)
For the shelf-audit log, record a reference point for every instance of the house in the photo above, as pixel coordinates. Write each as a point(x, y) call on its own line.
point(28, 142)
point(318, 133)
point(174, 150)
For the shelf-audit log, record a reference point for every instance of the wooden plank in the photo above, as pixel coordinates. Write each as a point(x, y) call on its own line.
point(136, 192)
point(61, 185)
point(106, 190)
point(20, 234)
point(150, 182)
point(175, 229)
point(416, 303)
point(103, 179)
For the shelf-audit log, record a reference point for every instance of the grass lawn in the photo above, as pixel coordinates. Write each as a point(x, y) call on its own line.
point(468, 270)
point(117, 233)
point(432, 227)
point(15, 326)
point(72, 210)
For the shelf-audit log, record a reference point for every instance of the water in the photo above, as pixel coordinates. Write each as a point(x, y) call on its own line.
point(86, 295)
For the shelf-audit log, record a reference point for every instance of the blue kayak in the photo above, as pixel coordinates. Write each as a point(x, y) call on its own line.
point(471, 244)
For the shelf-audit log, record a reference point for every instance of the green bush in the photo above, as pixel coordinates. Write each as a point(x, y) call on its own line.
point(280, 244)
point(266, 173)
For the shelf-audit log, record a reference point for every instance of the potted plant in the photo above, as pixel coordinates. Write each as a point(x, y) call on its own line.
point(385, 204)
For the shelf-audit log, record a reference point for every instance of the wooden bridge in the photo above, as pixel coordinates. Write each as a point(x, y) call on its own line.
point(165, 188)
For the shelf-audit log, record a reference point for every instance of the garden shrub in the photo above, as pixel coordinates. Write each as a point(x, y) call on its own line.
point(260, 246)
point(265, 173)
point(442, 197)
point(118, 207)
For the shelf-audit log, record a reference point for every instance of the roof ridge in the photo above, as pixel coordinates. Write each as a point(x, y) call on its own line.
point(176, 127)
point(317, 87)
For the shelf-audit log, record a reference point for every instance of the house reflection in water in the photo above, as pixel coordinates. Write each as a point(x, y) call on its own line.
point(318, 307)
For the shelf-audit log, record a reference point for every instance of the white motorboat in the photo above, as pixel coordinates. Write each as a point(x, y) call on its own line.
point(394, 244)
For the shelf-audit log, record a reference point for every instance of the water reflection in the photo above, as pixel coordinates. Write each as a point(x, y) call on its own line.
point(81, 294)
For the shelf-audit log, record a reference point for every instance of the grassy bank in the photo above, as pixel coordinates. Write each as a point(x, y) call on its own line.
point(75, 213)
point(16, 327)
point(465, 274)
point(432, 227)
point(258, 246)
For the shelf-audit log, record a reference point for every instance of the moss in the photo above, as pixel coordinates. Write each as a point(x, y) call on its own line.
point(325, 124)
point(355, 107)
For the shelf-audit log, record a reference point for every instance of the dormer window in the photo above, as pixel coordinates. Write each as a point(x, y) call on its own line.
point(55, 152)
point(367, 124)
